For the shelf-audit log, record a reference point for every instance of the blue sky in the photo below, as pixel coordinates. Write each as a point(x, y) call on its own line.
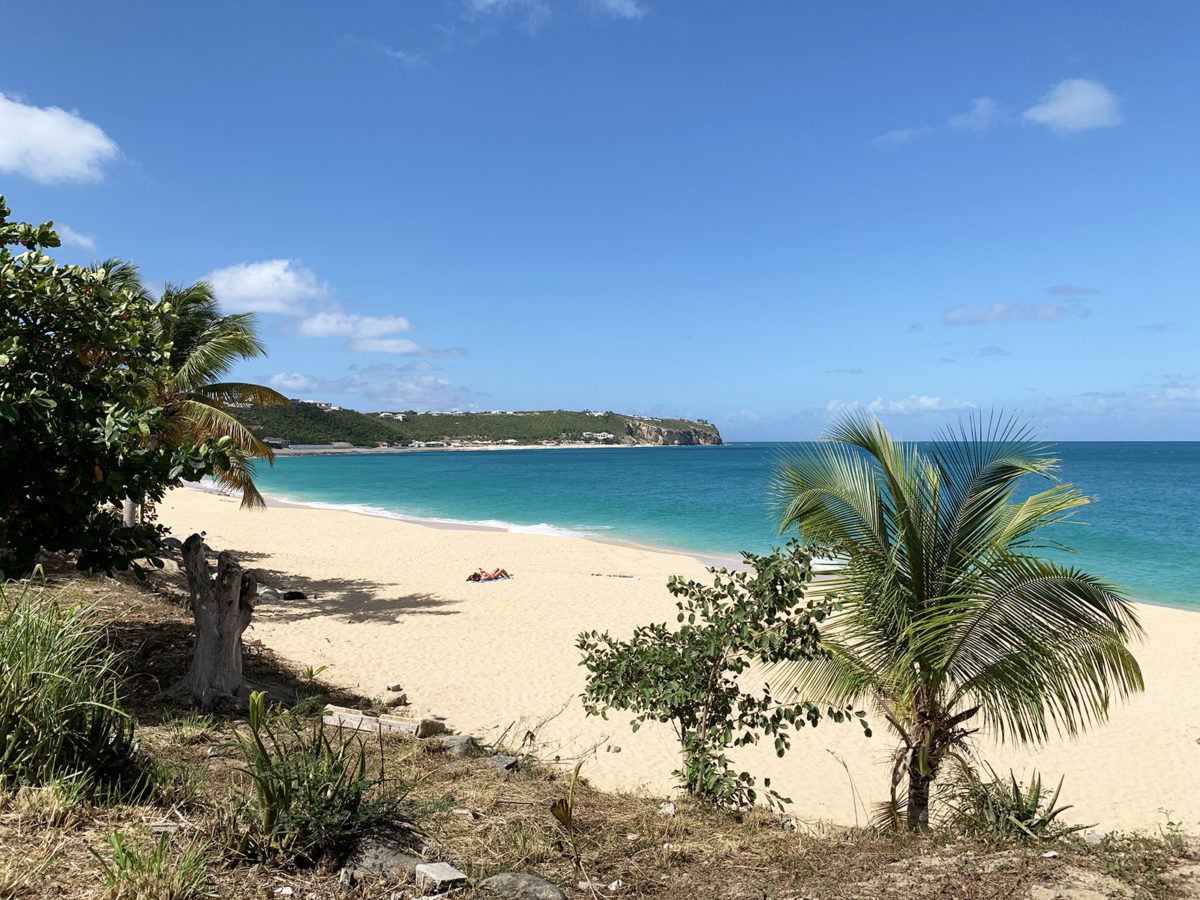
point(759, 213)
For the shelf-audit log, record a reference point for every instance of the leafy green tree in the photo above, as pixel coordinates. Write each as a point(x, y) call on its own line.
point(689, 676)
point(949, 618)
point(201, 345)
point(77, 422)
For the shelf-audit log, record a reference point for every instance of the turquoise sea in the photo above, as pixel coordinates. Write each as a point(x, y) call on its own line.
point(1142, 529)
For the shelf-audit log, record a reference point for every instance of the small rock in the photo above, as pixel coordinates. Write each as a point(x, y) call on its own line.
point(394, 686)
point(612, 748)
point(295, 595)
point(520, 886)
point(786, 822)
point(284, 891)
point(1094, 838)
point(460, 746)
point(632, 837)
point(429, 726)
point(398, 700)
point(591, 885)
point(379, 856)
point(616, 886)
point(438, 877)
point(503, 763)
point(346, 878)
point(667, 809)
point(162, 826)
point(463, 811)
point(1050, 854)
point(268, 594)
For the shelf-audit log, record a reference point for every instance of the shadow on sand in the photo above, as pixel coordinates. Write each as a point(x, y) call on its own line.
point(352, 600)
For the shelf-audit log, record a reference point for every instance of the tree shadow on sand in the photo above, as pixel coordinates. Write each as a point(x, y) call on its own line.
point(352, 600)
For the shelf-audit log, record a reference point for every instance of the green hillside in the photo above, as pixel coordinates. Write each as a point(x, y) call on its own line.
point(307, 423)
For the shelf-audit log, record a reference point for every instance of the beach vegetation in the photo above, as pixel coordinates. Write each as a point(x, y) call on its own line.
point(1005, 809)
point(305, 795)
point(950, 620)
point(79, 429)
point(689, 676)
point(61, 719)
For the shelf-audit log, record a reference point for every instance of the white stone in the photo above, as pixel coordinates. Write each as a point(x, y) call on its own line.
point(438, 877)
point(1094, 838)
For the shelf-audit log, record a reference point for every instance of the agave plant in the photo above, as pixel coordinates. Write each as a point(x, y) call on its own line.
point(951, 621)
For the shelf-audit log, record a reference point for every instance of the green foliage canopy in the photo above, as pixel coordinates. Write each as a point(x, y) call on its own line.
point(77, 424)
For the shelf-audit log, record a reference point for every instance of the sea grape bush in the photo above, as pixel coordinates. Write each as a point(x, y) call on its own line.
point(78, 432)
point(690, 676)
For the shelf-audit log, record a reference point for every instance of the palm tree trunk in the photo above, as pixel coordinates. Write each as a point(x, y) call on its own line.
point(129, 512)
point(918, 799)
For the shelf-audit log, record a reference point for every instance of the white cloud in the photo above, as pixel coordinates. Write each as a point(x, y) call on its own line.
point(385, 386)
point(1071, 290)
point(72, 238)
point(403, 347)
point(291, 382)
point(412, 60)
point(534, 12)
point(915, 403)
point(1076, 104)
point(335, 323)
point(620, 9)
point(272, 285)
point(974, 314)
point(50, 145)
point(982, 116)
point(899, 136)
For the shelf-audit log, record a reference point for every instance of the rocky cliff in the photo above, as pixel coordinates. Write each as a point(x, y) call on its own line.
point(639, 431)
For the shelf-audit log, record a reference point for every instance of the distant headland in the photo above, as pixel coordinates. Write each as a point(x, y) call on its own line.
point(306, 424)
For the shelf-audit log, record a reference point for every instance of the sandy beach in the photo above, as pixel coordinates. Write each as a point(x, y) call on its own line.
point(388, 601)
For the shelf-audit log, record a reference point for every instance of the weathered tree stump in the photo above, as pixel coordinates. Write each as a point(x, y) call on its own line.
point(222, 606)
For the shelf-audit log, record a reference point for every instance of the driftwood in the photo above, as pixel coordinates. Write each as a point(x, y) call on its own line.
point(222, 606)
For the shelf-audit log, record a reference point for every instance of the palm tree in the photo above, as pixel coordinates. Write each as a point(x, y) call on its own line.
point(201, 346)
point(950, 620)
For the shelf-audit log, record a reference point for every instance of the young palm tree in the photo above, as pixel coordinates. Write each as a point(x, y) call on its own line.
point(201, 347)
point(950, 620)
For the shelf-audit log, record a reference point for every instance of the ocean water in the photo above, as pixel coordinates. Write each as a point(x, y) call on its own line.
point(1142, 529)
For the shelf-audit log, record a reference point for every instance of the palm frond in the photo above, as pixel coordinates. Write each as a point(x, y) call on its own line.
point(229, 392)
point(204, 421)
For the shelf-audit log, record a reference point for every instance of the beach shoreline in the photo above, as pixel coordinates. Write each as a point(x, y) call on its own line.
point(387, 600)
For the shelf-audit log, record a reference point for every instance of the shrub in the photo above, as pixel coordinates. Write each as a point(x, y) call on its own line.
point(59, 711)
point(309, 795)
point(689, 677)
point(1004, 809)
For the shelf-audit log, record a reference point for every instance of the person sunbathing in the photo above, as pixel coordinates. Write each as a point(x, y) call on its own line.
point(484, 575)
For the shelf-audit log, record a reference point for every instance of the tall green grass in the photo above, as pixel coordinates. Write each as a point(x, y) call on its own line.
point(59, 711)
point(307, 796)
